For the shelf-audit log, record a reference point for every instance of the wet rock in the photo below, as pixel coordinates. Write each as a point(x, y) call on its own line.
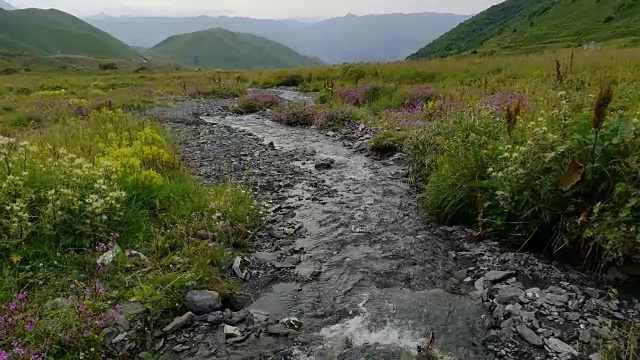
point(498, 276)
point(121, 337)
point(215, 318)
point(202, 301)
point(309, 151)
point(324, 164)
point(592, 292)
point(558, 299)
point(109, 334)
point(292, 323)
point(572, 316)
point(479, 284)
point(276, 234)
point(307, 273)
point(180, 348)
point(237, 339)
point(616, 274)
point(509, 294)
point(205, 235)
point(257, 317)
point(293, 259)
point(231, 331)
point(132, 309)
point(560, 347)
point(283, 265)
point(585, 336)
point(529, 335)
point(595, 356)
point(265, 257)
point(279, 330)
point(178, 323)
point(108, 257)
point(238, 317)
point(237, 263)
point(145, 356)
point(122, 322)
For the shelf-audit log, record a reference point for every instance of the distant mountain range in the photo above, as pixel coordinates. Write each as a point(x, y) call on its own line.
point(350, 38)
point(538, 25)
point(223, 49)
point(51, 31)
point(6, 6)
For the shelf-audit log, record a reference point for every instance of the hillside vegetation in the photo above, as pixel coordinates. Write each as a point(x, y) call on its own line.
point(223, 49)
point(55, 32)
point(536, 25)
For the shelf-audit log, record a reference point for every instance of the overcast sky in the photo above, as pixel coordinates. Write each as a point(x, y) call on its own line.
point(256, 8)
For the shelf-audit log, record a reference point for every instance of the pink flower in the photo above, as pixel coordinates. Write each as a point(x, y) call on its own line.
point(101, 248)
point(86, 333)
point(21, 296)
point(4, 355)
point(101, 290)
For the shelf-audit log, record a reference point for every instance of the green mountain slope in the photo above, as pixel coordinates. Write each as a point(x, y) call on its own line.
point(55, 32)
point(533, 25)
point(223, 49)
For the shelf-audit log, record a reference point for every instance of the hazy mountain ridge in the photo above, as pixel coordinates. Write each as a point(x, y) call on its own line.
point(6, 6)
point(349, 38)
point(224, 49)
point(52, 31)
point(536, 25)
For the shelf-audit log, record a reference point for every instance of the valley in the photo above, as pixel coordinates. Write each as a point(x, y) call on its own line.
point(209, 188)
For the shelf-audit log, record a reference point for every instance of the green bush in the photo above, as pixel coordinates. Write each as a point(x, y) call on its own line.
point(387, 142)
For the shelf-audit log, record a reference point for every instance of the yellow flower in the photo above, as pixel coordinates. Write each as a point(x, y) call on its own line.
point(16, 258)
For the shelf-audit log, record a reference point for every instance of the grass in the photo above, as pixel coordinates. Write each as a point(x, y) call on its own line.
point(526, 149)
point(535, 26)
point(54, 32)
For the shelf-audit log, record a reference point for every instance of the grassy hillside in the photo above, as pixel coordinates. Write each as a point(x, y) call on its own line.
point(532, 25)
point(223, 49)
point(56, 32)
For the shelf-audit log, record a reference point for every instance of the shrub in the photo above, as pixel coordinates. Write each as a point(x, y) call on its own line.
point(296, 114)
point(387, 142)
point(362, 94)
point(108, 66)
point(333, 117)
point(256, 101)
point(290, 80)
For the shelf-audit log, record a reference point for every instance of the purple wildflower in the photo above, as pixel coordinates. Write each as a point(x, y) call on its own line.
point(264, 99)
point(328, 117)
point(86, 333)
point(4, 355)
point(101, 291)
point(30, 325)
point(504, 99)
point(358, 95)
point(87, 291)
point(420, 95)
point(81, 307)
point(101, 248)
point(21, 296)
point(74, 288)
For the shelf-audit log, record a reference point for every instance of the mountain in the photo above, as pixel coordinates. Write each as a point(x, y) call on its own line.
point(6, 6)
point(535, 25)
point(224, 49)
point(55, 32)
point(350, 38)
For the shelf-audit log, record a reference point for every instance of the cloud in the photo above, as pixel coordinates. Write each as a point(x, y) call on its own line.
point(256, 8)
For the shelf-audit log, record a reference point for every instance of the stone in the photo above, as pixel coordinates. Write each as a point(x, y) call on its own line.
point(158, 344)
point(283, 265)
point(215, 318)
point(592, 292)
point(145, 356)
point(202, 301)
point(57, 304)
point(616, 274)
point(479, 284)
point(585, 336)
point(109, 334)
point(178, 323)
point(265, 257)
point(595, 356)
point(529, 335)
point(132, 308)
point(309, 151)
point(560, 347)
point(205, 235)
point(237, 262)
point(558, 299)
point(180, 348)
point(238, 317)
point(119, 338)
point(231, 331)
point(307, 273)
point(257, 317)
point(507, 323)
point(509, 294)
point(324, 164)
point(513, 309)
point(572, 316)
point(293, 259)
point(108, 257)
point(498, 276)
point(276, 234)
point(237, 339)
point(292, 323)
point(278, 329)
point(122, 322)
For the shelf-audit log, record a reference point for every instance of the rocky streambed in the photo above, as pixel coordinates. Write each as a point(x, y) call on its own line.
point(348, 267)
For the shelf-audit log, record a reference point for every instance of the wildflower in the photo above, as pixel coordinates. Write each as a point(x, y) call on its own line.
point(605, 96)
point(16, 258)
point(30, 325)
point(101, 248)
point(86, 333)
point(500, 102)
point(4, 355)
point(101, 291)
